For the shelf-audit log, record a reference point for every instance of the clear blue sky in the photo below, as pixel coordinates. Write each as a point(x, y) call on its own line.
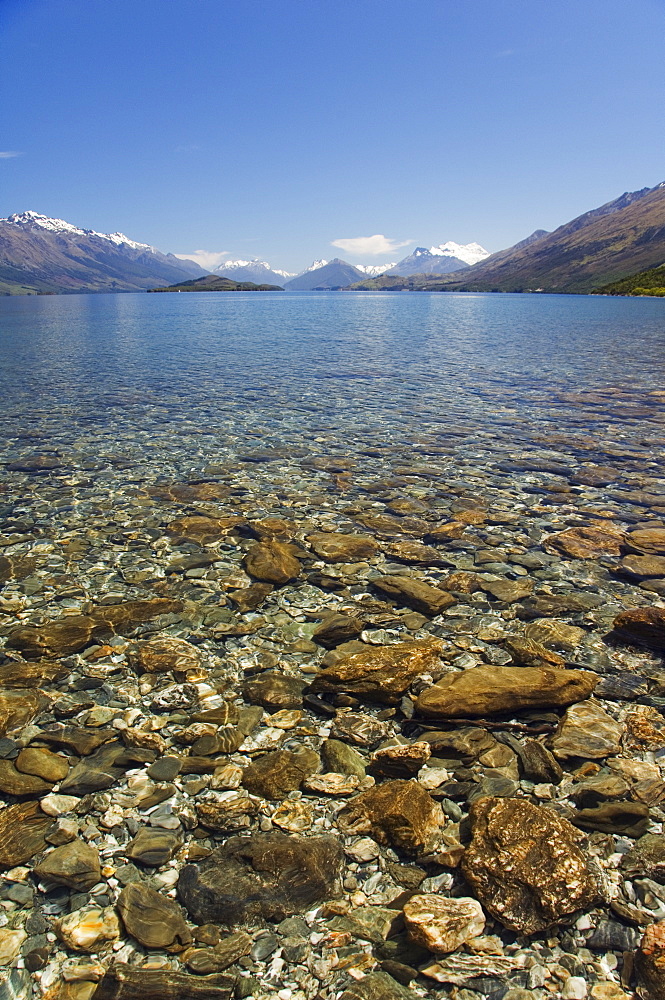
point(273, 127)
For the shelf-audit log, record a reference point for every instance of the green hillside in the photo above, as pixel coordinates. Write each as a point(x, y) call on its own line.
point(650, 282)
point(215, 283)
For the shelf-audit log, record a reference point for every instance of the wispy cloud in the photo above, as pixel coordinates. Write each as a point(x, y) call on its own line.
point(208, 259)
point(504, 54)
point(372, 246)
point(9, 154)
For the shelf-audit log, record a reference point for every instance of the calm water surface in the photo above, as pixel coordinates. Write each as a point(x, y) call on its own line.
point(260, 387)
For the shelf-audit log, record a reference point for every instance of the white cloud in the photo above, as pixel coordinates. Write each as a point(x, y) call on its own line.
point(208, 259)
point(9, 154)
point(372, 246)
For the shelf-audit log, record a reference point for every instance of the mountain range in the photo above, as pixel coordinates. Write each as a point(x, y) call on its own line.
point(625, 236)
point(618, 239)
point(40, 254)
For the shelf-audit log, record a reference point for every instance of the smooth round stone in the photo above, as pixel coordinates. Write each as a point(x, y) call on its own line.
point(165, 769)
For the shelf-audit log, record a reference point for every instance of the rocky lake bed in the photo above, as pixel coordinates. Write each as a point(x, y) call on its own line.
point(326, 699)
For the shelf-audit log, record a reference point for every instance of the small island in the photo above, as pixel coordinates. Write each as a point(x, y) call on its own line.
point(215, 283)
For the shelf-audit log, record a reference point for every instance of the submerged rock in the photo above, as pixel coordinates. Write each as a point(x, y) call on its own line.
point(587, 731)
point(266, 876)
point(400, 813)
point(491, 690)
point(23, 830)
point(151, 918)
point(525, 866)
point(416, 594)
point(641, 626)
point(128, 982)
point(381, 673)
point(75, 865)
point(272, 562)
point(442, 924)
point(650, 963)
point(72, 634)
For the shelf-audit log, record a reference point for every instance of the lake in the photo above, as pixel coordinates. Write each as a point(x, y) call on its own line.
point(211, 502)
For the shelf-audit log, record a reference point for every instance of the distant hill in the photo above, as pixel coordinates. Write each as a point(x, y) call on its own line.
point(332, 275)
point(40, 254)
point(443, 259)
point(650, 282)
point(215, 283)
point(607, 244)
point(252, 270)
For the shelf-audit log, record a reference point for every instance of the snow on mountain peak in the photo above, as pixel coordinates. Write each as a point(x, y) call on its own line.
point(373, 270)
point(60, 226)
point(470, 253)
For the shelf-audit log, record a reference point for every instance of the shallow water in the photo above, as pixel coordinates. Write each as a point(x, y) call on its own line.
point(89, 371)
point(510, 419)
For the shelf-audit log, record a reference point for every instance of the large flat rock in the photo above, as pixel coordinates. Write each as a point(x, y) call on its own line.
point(491, 690)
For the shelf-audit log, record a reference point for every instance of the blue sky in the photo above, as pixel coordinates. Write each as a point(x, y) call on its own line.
point(274, 128)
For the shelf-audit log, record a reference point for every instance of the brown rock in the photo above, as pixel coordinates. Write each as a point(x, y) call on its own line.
point(490, 690)
point(75, 865)
point(359, 729)
point(153, 847)
point(276, 774)
point(336, 629)
point(72, 634)
point(274, 691)
point(445, 532)
point(587, 731)
point(18, 708)
point(202, 529)
point(461, 582)
point(508, 591)
point(166, 653)
point(380, 673)
point(641, 626)
point(129, 982)
point(555, 634)
point(442, 924)
point(335, 547)
point(650, 963)
point(20, 674)
point(191, 492)
point(151, 918)
point(272, 561)
point(23, 829)
point(650, 541)
point(45, 764)
point(399, 762)
point(250, 598)
point(586, 543)
point(227, 815)
point(643, 567)
point(528, 653)
point(265, 876)
point(399, 813)
point(14, 782)
point(414, 552)
point(415, 594)
point(524, 864)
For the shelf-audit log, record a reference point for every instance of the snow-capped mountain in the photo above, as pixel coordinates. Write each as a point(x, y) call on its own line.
point(442, 259)
point(333, 274)
point(255, 270)
point(373, 270)
point(34, 219)
point(42, 254)
point(314, 266)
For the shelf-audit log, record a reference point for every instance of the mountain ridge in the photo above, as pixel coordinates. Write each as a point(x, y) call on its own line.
point(606, 244)
point(40, 254)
